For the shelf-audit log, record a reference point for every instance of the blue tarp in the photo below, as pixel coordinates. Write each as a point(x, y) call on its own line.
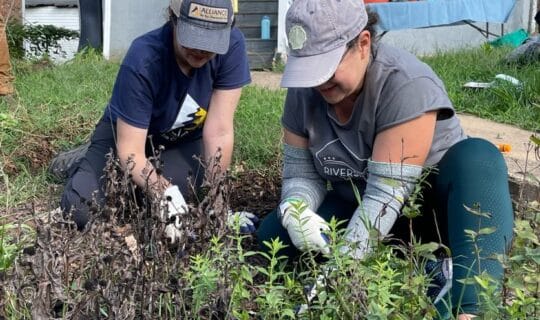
point(430, 13)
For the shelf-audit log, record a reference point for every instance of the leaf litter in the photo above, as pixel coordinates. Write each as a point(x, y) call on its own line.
point(120, 266)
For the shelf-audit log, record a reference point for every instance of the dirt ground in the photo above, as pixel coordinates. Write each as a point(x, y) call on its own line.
point(496, 133)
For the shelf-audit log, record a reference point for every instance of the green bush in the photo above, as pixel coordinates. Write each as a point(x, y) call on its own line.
point(15, 37)
point(42, 39)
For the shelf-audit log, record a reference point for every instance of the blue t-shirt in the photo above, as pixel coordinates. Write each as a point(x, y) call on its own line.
point(151, 92)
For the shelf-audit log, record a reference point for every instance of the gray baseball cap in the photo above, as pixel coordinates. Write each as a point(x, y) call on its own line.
point(203, 24)
point(318, 32)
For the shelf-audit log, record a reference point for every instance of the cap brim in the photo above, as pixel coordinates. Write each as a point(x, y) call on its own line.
point(211, 40)
point(311, 71)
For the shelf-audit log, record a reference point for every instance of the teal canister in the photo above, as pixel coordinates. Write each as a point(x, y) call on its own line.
point(265, 28)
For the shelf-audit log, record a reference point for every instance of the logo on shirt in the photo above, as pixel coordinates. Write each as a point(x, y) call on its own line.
point(335, 163)
point(190, 118)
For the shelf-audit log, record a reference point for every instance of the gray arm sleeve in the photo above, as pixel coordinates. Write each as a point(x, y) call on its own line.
point(388, 187)
point(300, 178)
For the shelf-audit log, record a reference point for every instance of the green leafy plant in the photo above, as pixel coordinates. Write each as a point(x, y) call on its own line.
point(13, 238)
point(273, 300)
point(8, 250)
point(42, 39)
point(522, 285)
point(15, 36)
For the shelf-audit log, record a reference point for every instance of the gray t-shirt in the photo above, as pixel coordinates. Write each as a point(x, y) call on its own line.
point(398, 87)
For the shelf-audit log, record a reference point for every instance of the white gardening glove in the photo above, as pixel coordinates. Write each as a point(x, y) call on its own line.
point(172, 206)
point(246, 220)
point(306, 229)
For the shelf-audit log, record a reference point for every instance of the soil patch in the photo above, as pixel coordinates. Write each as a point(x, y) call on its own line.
point(121, 265)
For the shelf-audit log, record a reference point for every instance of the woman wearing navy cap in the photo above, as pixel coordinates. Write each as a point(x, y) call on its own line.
point(178, 87)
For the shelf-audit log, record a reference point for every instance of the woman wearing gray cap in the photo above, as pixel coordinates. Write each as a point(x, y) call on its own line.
point(178, 87)
point(367, 113)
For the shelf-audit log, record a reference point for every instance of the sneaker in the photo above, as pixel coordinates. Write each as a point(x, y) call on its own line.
point(441, 282)
point(61, 164)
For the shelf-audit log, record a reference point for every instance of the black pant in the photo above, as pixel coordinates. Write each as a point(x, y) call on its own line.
point(87, 179)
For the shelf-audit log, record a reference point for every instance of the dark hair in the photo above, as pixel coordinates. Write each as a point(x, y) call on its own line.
point(172, 16)
point(373, 19)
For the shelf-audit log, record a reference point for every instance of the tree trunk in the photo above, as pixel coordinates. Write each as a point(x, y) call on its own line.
point(11, 9)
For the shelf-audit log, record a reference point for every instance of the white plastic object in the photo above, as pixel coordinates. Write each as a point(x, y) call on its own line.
point(483, 85)
point(508, 78)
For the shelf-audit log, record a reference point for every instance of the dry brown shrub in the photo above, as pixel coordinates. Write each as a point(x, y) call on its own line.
point(120, 265)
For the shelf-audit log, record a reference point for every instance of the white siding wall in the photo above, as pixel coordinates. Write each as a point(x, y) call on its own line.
point(431, 40)
point(60, 17)
point(124, 20)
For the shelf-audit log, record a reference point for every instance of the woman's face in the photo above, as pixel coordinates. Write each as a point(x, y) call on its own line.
point(348, 79)
point(195, 58)
point(189, 58)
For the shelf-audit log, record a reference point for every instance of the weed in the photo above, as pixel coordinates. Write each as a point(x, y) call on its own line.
point(41, 39)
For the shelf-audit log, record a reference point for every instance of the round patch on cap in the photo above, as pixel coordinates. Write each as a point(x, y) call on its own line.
point(297, 37)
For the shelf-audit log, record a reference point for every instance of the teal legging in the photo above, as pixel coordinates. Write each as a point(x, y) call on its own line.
point(472, 173)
